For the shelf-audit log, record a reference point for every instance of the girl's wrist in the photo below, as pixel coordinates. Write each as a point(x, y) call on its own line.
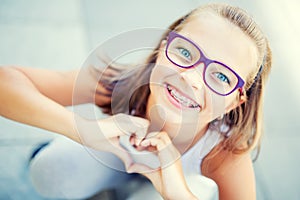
point(84, 131)
point(71, 126)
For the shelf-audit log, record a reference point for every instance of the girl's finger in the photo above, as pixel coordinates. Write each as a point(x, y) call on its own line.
point(152, 134)
point(145, 143)
point(139, 140)
point(167, 152)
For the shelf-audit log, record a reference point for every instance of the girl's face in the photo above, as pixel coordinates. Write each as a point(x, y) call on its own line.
point(182, 95)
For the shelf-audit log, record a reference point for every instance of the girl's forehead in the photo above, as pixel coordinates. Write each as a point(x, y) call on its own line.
point(223, 41)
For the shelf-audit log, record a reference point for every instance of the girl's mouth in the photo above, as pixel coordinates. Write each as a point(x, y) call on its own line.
point(178, 99)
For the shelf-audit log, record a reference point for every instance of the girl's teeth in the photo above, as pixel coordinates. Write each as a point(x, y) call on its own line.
point(182, 99)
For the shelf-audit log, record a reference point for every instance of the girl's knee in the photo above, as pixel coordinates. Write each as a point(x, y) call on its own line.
point(66, 179)
point(54, 181)
point(66, 170)
point(50, 185)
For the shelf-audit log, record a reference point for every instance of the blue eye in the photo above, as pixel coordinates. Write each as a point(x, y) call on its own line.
point(222, 77)
point(185, 53)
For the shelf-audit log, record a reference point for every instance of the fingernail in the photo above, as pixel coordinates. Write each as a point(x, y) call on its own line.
point(145, 143)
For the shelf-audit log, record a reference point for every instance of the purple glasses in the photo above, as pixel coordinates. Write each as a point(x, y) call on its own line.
point(184, 53)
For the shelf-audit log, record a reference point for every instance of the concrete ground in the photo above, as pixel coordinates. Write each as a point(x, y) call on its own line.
point(59, 35)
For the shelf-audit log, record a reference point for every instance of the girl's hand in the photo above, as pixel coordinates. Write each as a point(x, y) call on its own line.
point(104, 134)
point(168, 180)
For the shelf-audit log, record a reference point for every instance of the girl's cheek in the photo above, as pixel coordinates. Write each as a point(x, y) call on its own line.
point(222, 105)
point(214, 105)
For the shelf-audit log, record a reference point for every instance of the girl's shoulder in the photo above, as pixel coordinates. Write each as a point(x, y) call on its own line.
point(232, 172)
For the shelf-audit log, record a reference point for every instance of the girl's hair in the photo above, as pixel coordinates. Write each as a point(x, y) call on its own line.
point(244, 122)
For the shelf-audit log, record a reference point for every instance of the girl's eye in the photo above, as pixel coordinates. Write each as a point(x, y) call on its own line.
point(185, 53)
point(222, 77)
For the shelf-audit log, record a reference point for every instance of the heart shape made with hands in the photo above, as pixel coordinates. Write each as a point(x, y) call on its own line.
point(144, 157)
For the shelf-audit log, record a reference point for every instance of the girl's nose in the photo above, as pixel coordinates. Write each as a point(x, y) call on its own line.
point(194, 78)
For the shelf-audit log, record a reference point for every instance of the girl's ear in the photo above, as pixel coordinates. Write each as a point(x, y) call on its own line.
point(243, 99)
point(234, 104)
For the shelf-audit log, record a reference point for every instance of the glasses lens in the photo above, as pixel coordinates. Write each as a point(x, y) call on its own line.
point(182, 52)
point(220, 78)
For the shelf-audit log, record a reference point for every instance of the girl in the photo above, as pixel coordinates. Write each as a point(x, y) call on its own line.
point(196, 105)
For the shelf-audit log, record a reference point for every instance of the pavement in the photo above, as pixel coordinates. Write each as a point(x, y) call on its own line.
point(60, 34)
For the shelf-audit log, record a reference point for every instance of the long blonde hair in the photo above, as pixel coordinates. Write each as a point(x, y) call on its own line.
point(245, 121)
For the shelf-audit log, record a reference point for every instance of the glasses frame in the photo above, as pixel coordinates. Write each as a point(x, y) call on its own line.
point(206, 61)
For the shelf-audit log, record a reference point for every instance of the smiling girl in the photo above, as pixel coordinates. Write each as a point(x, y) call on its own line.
point(197, 108)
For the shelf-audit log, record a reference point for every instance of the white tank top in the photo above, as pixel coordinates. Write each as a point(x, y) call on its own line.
point(192, 159)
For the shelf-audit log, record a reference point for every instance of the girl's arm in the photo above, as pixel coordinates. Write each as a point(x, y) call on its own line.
point(233, 174)
point(37, 97)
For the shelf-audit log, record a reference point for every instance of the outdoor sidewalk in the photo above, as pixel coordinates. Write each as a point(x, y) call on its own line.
point(60, 34)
